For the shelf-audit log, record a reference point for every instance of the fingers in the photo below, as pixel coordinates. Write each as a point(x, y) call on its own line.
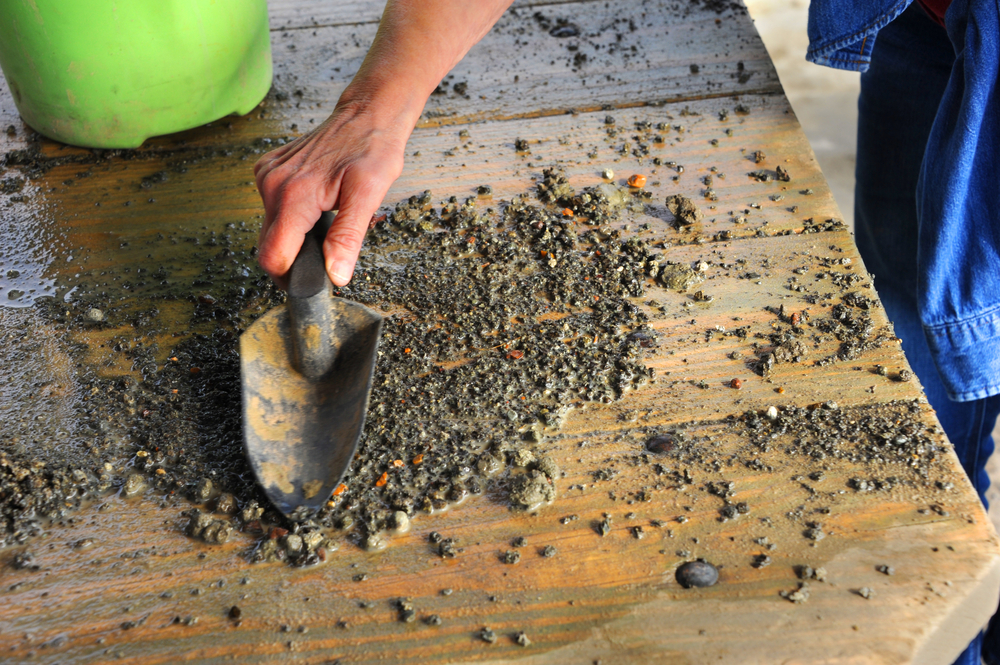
point(362, 194)
point(350, 169)
point(293, 206)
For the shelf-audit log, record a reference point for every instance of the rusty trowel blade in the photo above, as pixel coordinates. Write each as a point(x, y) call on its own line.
point(300, 434)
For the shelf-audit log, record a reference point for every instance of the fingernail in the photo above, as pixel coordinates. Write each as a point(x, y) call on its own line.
point(341, 271)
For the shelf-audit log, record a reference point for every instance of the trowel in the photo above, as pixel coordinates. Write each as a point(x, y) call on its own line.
point(306, 369)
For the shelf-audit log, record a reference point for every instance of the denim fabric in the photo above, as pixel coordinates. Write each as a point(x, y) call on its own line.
point(842, 32)
point(908, 77)
point(958, 204)
point(900, 94)
point(958, 193)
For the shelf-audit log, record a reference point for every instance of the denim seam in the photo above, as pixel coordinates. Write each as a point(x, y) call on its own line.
point(990, 317)
point(943, 336)
point(827, 50)
point(969, 396)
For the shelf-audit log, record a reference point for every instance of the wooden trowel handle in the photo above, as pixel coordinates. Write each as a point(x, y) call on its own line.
point(311, 324)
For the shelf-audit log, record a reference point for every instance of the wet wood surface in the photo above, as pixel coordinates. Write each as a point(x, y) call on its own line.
point(141, 591)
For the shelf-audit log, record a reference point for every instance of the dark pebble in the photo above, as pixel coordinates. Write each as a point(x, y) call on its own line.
point(697, 574)
point(564, 31)
point(662, 443)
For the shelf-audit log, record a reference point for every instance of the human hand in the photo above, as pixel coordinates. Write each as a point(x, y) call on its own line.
point(346, 164)
point(349, 162)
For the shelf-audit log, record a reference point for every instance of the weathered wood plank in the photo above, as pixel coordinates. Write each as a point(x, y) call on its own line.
point(9, 118)
point(102, 198)
point(611, 597)
point(667, 53)
point(617, 585)
point(290, 15)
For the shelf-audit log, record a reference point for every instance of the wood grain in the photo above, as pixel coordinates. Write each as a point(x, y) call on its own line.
point(668, 53)
point(597, 592)
point(130, 595)
point(291, 15)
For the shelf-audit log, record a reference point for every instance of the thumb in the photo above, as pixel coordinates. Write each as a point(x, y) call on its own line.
point(359, 200)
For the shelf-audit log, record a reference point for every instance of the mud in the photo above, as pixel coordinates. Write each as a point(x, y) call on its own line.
point(685, 212)
point(503, 317)
point(470, 380)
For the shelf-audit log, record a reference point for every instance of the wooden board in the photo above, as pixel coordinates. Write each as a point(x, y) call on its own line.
point(668, 53)
point(316, 13)
point(612, 598)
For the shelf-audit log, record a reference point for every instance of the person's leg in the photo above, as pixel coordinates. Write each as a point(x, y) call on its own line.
point(910, 67)
point(900, 93)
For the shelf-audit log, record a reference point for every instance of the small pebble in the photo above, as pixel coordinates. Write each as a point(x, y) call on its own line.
point(797, 596)
point(697, 574)
point(604, 527)
point(401, 521)
point(661, 443)
point(135, 483)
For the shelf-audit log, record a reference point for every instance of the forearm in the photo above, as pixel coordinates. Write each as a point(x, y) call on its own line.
point(417, 44)
point(349, 162)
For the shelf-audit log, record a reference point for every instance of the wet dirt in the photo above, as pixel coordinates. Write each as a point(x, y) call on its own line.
point(502, 321)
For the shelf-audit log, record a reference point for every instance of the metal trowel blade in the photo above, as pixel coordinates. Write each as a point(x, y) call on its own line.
point(301, 434)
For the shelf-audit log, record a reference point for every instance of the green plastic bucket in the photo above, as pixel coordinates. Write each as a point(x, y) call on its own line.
point(112, 73)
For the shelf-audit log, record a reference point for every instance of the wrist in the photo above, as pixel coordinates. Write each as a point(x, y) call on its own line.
point(384, 104)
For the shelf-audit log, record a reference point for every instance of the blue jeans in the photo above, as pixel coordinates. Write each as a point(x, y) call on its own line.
point(900, 93)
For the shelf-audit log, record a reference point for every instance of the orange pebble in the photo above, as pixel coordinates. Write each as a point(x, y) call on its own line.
point(398, 463)
point(736, 383)
point(637, 180)
point(418, 459)
point(341, 488)
point(516, 354)
point(567, 212)
point(407, 350)
point(383, 479)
